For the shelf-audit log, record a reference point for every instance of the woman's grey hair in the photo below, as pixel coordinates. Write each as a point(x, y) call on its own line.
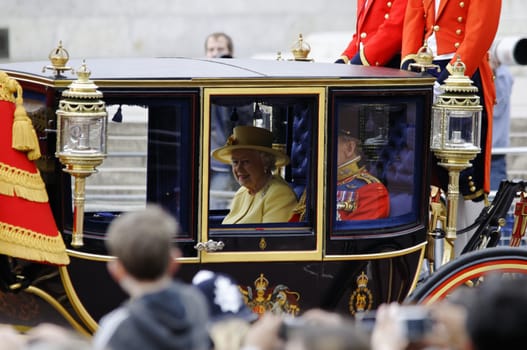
point(269, 161)
point(142, 241)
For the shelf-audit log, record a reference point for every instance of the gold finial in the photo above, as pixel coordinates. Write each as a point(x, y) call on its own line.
point(59, 57)
point(83, 72)
point(424, 55)
point(424, 60)
point(458, 82)
point(300, 49)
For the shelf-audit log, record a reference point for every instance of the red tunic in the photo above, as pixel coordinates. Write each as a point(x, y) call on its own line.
point(379, 30)
point(466, 28)
point(364, 197)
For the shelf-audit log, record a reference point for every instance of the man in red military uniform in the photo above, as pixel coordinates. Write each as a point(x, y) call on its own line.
point(464, 29)
point(360, 195)
point(378, 34)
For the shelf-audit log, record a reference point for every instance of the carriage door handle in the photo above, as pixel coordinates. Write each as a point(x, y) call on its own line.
point(209, 246)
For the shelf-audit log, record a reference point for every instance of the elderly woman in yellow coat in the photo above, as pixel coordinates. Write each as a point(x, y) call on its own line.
point(262, 197)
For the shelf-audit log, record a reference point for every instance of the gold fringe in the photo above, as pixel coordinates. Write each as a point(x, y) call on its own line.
point(23, 184)
point(26, 244)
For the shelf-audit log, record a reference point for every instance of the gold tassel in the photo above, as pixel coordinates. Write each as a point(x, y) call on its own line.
point(24, 135)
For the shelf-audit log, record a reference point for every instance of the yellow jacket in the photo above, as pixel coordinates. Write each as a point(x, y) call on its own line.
point(273, 203)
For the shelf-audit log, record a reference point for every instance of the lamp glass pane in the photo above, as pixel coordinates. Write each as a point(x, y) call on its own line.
point(477, 129)
point(437, 137)
point(83, 135)
point(460, 129)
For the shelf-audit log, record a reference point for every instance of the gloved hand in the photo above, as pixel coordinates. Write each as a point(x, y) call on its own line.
point(437, 90)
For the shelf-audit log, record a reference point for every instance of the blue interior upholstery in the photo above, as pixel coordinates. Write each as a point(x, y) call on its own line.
point(396, 165)
point(300, 151)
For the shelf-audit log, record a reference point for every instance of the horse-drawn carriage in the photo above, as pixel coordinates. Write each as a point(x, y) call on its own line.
point(166, 115)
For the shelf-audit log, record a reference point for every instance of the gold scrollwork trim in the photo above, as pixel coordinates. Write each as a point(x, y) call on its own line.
point(57, 306)
point(385, 255)
point(79, 308)
point(257, 256)
point(104, 258)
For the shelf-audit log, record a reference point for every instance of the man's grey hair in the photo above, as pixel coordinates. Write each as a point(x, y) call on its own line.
point(142, 241)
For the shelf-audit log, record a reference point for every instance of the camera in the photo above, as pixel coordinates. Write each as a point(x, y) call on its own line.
point(510, 50)
point(416, 322)
point(290, 326)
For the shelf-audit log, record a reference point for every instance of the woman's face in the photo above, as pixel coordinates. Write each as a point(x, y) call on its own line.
point(248, 169)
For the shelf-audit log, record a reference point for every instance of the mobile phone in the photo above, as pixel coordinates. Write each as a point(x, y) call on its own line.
point(416, 321)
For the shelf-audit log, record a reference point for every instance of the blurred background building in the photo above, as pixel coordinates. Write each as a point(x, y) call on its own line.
point(29, 29)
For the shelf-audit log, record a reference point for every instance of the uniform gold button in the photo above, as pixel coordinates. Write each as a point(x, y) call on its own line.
point(363, 35)
point(376, 63)
point(473, 189)
point(460, 19)
point(456, 45)
point(461, 4)
point(435, 28)
point(470, 177)
point(386, 16)
point(458, 32)
point(389, 4)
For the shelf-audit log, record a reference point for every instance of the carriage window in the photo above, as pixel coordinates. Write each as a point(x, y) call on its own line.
point(148, 142)
point(261, 151)
point(376, 170)
point(120, 182)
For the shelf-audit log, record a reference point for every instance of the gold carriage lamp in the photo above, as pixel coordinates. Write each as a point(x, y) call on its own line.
point(81, 139)
point(455, 136)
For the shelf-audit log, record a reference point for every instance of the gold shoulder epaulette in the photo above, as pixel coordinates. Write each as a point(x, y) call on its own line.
point(367, 177)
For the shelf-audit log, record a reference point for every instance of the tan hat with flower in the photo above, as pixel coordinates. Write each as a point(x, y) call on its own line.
point(249, 137)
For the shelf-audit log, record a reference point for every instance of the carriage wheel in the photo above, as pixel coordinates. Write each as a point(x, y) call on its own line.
point(469, 269)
